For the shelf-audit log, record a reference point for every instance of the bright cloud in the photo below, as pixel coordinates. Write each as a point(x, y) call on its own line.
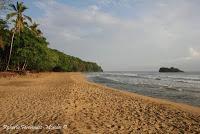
point(194, 53)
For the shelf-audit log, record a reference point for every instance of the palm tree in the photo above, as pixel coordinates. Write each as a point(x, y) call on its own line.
point(20, 18)
point(35, 30)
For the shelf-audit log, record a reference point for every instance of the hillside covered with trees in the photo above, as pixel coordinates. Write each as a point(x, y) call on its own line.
point(23, 46)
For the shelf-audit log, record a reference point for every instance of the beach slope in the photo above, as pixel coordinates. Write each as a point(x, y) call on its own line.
point(68, 103)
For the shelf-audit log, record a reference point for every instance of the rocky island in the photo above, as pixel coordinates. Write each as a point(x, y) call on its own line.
point(172, 69)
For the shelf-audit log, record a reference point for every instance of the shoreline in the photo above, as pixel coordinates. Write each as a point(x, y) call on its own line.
point(183, 106)
point(68, 99)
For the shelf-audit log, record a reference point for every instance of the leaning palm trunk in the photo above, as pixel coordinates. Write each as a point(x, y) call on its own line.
point(11, 46)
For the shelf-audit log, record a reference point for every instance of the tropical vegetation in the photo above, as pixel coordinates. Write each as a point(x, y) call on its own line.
point(23, 47)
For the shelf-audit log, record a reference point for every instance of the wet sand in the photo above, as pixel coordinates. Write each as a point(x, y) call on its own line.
point(68, 103)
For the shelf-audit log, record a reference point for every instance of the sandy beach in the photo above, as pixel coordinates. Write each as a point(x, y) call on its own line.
point(68, 103)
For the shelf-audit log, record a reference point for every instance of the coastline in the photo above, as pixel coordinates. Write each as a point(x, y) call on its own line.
point(86, 107)
point(182, 106)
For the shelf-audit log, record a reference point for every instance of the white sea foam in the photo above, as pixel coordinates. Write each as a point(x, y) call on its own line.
point(184, 87)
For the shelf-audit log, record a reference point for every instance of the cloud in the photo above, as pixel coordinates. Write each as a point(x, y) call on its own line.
point(69, 20)
point(152, 34)
point(194, 53)
point(94, 8)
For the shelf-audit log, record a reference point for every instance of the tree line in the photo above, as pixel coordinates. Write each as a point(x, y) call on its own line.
point(23, 47)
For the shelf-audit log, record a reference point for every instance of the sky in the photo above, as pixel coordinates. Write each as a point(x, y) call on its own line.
point(123, 35)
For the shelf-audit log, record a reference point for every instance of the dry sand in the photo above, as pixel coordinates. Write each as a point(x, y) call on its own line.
point(69, 102)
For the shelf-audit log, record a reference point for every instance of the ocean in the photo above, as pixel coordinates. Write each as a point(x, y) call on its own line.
point(176, 87)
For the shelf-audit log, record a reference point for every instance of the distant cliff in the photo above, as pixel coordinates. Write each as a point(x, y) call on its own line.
point(172, 69)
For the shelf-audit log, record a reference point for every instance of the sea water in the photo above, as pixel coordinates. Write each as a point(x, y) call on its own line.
point(177, 87)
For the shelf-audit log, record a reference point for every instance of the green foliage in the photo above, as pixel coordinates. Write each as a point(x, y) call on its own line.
point(18, 14)
point(69, 63)
point(4, 39)
point(30, 51)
